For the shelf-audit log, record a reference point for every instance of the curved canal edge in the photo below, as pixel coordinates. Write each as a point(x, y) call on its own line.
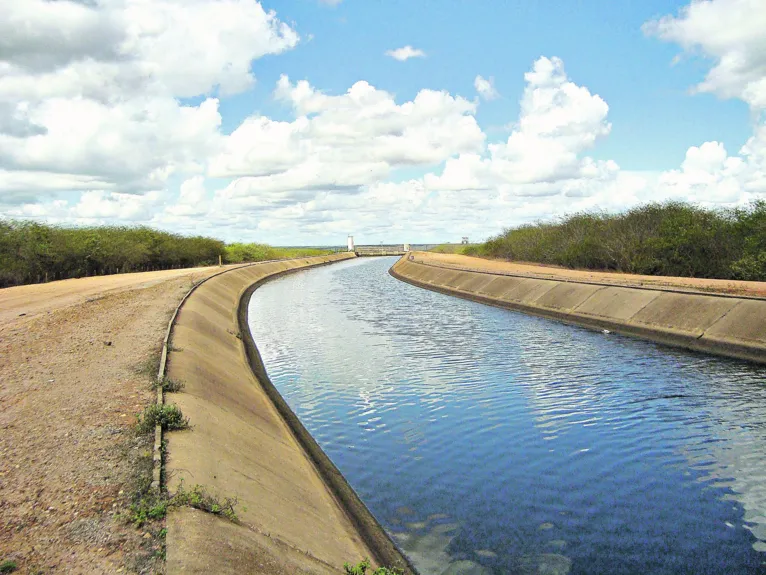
point(297, 513)
point(717, 324)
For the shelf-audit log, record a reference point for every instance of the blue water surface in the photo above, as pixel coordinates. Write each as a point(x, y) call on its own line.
point(491, 442)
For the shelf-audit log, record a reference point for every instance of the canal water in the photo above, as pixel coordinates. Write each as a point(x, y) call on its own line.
point(490, 442)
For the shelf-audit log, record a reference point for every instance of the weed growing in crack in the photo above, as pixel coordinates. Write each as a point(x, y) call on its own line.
point(199, 498)
point(361, 569)
point(152, 507)
point(170, 385)
point(169, 417)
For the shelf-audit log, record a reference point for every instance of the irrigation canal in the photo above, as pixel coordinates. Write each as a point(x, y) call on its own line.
point(491, 442)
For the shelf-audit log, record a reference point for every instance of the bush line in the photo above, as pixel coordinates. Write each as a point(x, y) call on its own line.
point(669, 239)
point(31, 252)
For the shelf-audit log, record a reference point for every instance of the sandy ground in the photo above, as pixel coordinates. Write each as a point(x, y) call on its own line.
point(76, 365)
point(757, 289)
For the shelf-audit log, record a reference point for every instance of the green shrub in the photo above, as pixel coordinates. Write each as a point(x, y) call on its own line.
point(8, 566)
point(31, 252)
point(169, 416)
point(672, 239)
point(361, 569)
point(171, 385)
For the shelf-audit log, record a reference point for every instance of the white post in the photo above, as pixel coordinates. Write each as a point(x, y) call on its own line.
point(351, 243)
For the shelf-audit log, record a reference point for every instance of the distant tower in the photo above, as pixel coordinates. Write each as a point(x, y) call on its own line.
point(464, 240)
point(406, 247)
point(351, 243)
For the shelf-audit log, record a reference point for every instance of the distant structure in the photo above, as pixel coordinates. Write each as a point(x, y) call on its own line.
point(351, 243)
point(406, 247)
point(464, 240)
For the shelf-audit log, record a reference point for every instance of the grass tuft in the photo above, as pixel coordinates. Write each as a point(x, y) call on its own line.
point(170, 385)
point(152, 507)
point(200, 498)
point(169, 417)
point(8, 566)
point(361, 569)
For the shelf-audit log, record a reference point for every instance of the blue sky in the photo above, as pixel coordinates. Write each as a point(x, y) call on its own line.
point(289, 121)
point(654, 116)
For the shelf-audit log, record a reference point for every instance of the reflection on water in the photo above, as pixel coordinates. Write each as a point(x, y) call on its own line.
point(488, 441)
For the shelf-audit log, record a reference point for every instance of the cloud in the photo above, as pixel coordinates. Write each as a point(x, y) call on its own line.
point(89, 91)
point(486, 88)
point(405, 53)
point(558, 122)
point(731, 32)
point(330, 2)
point(96, 128)
point(343, 142)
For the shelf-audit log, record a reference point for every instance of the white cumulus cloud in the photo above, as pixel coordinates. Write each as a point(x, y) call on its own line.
point(405, 53)
point(731, 32)
point(89, 91)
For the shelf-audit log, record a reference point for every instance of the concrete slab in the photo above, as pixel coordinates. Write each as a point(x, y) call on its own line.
point(684, 312)
point(617, 303)
point(567, 296)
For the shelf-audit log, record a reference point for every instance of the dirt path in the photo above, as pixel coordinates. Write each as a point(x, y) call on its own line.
point(76, 365)
point(757, 289)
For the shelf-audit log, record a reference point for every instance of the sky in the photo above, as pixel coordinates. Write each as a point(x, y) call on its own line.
point(298, 122)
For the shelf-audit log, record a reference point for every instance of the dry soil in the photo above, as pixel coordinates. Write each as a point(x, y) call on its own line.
point(77, 362)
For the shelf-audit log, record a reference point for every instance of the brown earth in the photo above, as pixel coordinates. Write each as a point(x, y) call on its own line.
point(77, 361)
point(456, 261)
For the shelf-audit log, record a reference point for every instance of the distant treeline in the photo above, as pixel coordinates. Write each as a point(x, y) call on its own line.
point(32, 252)
point(236, 253)
point(672, 239)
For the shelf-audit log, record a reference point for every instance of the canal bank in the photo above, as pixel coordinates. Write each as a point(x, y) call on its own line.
point(712, 323)
point(296, 512)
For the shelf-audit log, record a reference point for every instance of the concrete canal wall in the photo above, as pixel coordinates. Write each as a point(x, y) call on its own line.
point(297, 513)
point(718, 324)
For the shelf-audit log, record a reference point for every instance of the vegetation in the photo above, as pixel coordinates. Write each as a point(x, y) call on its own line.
point(152, 507)
point(199, 498)
point(169, 416)
point(671, 239)
point(171, 385)
point(8, 566)
point(237, 253)
point(361, 569)
point(31, 252)
point(462, 249)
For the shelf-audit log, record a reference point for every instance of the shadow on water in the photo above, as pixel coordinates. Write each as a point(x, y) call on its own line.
point(487, 441)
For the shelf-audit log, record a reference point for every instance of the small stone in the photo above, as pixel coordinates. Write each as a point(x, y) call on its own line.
point(107, 343)
point(546, 526)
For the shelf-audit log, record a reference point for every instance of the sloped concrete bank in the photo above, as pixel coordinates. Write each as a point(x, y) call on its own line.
point(717, 324)
point(297, 513)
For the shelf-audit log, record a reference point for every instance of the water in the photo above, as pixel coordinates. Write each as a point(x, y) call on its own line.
point(487, 441)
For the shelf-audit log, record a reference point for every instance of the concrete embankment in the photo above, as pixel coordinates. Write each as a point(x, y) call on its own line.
point(718, 324)
point(297, 513)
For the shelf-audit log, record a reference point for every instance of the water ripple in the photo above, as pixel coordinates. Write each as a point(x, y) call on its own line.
point(502, 443)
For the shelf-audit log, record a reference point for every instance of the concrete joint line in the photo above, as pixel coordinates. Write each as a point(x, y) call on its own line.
point(657, 288)
point(727, 312)
point(582, 303)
